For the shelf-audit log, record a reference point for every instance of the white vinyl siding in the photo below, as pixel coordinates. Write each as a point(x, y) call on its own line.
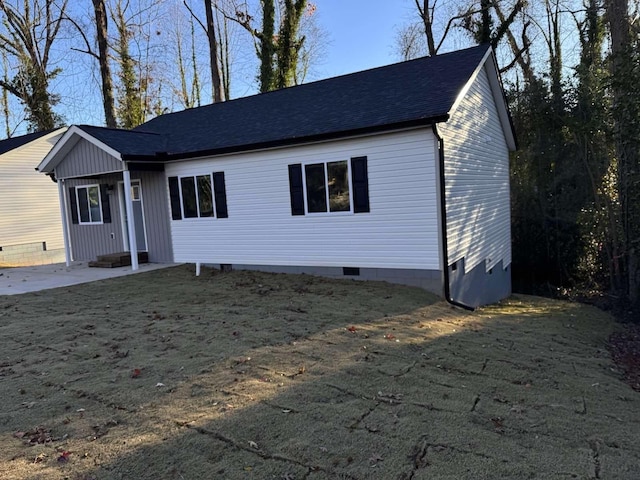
point(477, 180)
point(400, 231)
point(29, 207)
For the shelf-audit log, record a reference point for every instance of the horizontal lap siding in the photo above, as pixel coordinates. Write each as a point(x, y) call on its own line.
point(400, 231)
point(29, 207)
point(477, 181)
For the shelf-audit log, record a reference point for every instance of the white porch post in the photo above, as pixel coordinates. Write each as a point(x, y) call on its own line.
point(131, 224)
point(65, 222)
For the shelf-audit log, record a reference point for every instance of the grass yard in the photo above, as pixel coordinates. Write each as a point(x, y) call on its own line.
point(244, 375)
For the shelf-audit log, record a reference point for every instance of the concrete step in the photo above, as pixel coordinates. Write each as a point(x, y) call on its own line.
point(120, 259)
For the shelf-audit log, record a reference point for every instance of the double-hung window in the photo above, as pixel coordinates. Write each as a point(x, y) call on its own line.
point(328, 187)
point(89, 204)
point(198, 196)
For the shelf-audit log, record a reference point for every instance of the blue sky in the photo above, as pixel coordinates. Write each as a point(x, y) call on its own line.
point(360, 35)
point(361, 32)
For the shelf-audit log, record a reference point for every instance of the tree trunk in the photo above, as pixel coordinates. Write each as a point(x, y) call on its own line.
point(424, 11)
point(216, 76)
point(289, 44)
point(267, 46)
point(624, 70)
point(108, 100)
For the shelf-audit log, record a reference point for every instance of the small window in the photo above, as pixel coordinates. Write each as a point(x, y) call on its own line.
point(198, 196)
point(339, 186)
point(135, 192)
point(89, 204)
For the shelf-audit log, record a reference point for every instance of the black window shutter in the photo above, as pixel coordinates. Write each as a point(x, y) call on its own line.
point(360, 181)
point(296, 189)
point(174, 195)
point(104, 199)
point(220, 193)
point(73, 205)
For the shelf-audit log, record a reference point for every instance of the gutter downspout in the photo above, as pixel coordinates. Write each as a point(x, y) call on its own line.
point(443, 223)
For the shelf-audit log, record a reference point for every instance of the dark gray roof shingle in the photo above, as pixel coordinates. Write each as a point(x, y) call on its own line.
point(419, 91)
point(16, 142)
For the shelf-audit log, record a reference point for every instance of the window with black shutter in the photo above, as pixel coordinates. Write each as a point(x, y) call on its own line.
point(330, 187)
point(360, 182)
point(198, 196)
point(174, 198)
point(220, 193)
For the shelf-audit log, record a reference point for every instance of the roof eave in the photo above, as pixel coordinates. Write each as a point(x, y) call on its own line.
point(166, 157)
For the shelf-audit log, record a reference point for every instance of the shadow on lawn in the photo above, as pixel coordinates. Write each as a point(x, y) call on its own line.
point(344, 380)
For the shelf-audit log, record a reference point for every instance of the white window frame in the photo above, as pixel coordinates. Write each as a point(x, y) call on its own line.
point(213, 197)
point(87, 187)
point(326, 188)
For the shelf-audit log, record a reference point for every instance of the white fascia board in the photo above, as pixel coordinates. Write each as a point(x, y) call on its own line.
point(498, 95)
point(49, 135)
point(69, 139)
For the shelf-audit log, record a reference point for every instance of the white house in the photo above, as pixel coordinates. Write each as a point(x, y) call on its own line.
point(398, 173)
point(30, 226)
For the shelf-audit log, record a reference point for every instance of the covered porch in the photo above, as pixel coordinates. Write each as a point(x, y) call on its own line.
point(99, 193)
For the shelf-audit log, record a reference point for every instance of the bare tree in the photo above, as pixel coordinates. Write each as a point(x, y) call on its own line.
point(4, 99)
point(624, 69)
point(102, 35)
point(214, 49)
point(279, 53)
point(30, 30)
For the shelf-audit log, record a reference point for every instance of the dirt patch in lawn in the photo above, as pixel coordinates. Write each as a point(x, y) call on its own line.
point(164, 375)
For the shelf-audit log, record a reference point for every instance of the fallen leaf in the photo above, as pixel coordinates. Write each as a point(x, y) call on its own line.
point(389, 336)
point(286, 411)
point(375, 458)
point(64, 457)
point(352, 329)
point(253, 444)
point(136, 373)
point(160, 384)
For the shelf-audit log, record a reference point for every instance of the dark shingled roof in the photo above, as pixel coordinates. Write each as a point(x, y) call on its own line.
point(128, 142)
point(417, 92)
point(17, 142)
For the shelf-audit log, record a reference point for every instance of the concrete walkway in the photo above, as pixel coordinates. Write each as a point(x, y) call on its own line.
point(14, 281)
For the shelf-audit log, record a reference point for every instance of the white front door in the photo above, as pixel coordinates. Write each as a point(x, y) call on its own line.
point(138, 215)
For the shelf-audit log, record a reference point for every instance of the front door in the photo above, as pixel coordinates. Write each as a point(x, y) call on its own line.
point(138, 216)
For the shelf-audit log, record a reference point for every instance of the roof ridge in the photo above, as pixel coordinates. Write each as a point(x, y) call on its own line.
point(425, 59)
point(119, 130)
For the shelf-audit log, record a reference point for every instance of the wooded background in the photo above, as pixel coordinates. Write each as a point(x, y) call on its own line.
point(570, 68)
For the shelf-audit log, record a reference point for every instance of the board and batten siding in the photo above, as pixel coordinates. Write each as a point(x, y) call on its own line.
point(477, 180)
point(29, 207)
point(89, 241)
point(87, 159)
point(156, 215)
point(401, 230)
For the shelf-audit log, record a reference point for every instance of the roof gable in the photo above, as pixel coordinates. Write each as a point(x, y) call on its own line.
point(14, 143)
